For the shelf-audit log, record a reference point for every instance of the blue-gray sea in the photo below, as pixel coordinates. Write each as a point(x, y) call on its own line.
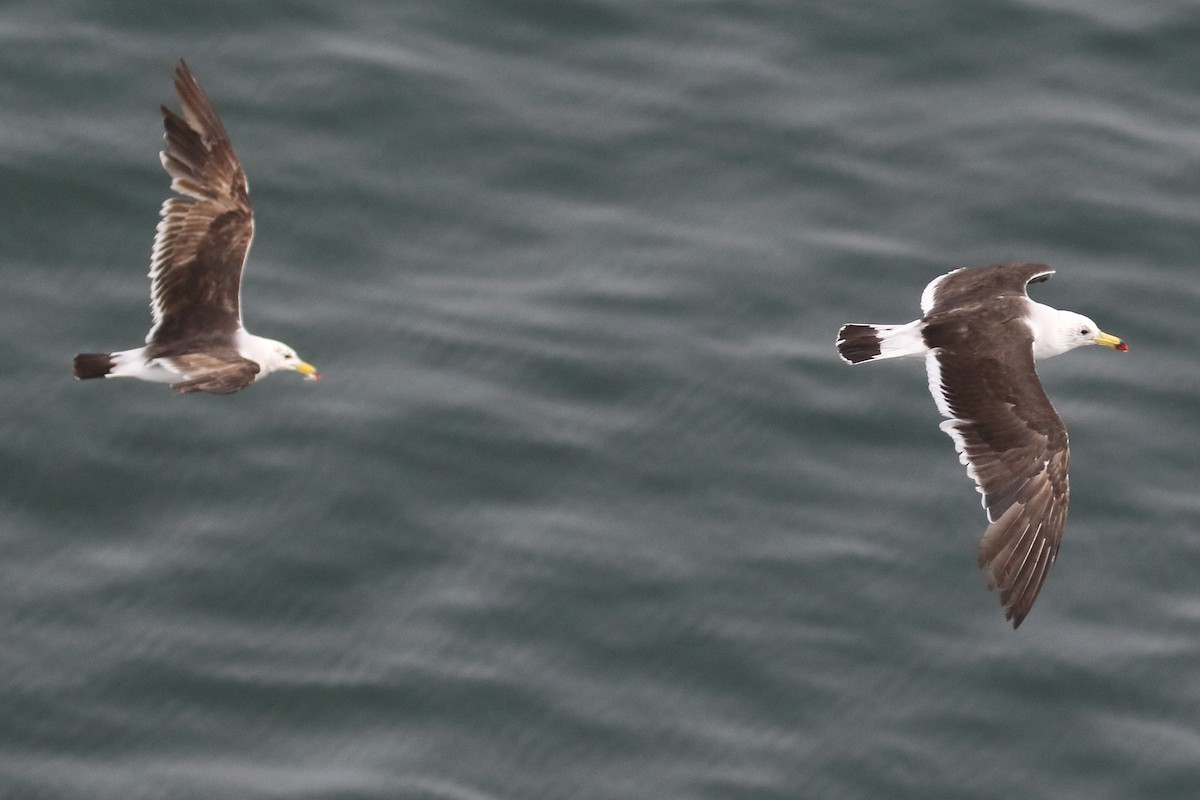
point(586, 506)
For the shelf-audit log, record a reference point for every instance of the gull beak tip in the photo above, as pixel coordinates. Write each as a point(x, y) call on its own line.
point(1108, 340)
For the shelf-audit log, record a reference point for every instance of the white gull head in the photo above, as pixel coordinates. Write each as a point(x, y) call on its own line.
point(273, 356)
point(1056, 332)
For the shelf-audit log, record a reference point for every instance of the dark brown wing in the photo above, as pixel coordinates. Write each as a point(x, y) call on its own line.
point(963, 287)
point(1010, 438)
point(203, 237)
point(214, 372)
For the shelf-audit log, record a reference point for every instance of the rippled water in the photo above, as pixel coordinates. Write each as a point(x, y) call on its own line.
point(586, 506)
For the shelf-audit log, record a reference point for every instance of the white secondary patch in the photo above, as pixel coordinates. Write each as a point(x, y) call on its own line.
point(929, 295)
point(960, 445)
point(172, 218)
point(171, 215)
point(933, 370)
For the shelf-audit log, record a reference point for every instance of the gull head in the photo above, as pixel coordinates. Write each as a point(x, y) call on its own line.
point(273, 356)
point(1075, 330)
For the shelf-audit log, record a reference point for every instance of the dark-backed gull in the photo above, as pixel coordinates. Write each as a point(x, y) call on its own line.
point(197, 342)
point(980, 334)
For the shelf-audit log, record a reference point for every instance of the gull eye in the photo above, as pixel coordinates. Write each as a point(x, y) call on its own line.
point(1083, 331)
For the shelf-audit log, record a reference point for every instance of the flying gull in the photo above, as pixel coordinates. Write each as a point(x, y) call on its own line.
point(980, 334)
point(197, 342)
